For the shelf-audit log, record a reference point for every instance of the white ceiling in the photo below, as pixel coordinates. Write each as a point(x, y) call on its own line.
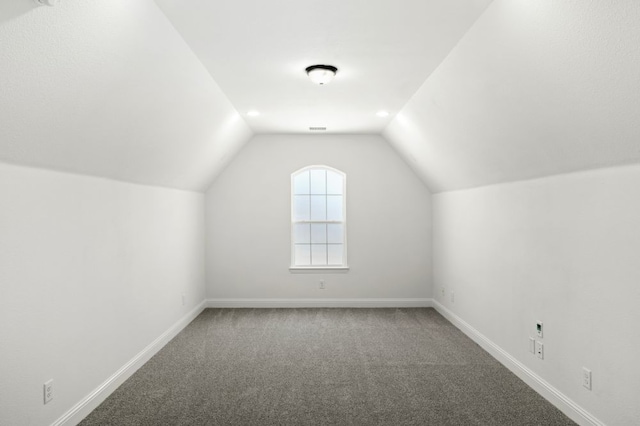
point(109, 88)
point(535, 88)
point(257, 51)
point(479, 92)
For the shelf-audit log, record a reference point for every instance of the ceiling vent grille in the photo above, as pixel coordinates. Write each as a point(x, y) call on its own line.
point(316, 129)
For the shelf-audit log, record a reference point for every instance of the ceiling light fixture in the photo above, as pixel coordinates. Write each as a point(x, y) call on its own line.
point(321, 74)
point(253, 113)
point(382, 114)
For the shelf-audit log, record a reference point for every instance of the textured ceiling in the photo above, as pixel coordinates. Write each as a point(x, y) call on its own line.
point(514, 90)
point(257, 51)
point(535, 88)
point(109, 88)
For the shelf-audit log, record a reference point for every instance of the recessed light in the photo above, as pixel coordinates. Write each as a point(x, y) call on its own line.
point(321, 74)
point(382, 113)
point(253, 113)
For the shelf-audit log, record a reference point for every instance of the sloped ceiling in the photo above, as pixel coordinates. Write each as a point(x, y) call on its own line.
point(479, 92)
point(257, 51)
point(109, 88)
point(534, 88)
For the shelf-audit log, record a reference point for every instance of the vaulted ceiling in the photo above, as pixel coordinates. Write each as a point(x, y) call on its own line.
point(257, 51)
point(478, 92)
point(109, 88)
point(534, 88)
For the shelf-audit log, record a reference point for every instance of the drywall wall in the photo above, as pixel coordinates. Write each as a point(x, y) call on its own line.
point(110, 89)
point(562, 250)
point(92, 271)
point(248, 220)
point(534, 88)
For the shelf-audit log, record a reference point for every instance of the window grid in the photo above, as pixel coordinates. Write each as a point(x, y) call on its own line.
point(332, 253)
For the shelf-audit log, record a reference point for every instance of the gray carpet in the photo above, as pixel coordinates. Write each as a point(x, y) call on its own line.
point(323, 367)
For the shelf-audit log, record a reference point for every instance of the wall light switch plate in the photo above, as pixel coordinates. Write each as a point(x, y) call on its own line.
point(532, 345)
point(539, 328)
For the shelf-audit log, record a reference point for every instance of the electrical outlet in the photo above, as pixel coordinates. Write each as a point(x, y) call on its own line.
point(539, 350)
point(532, 345)
point(48, 391)
point(539, 328)
point(586, 378)
point(453, 296)
point(321, 284)
point(184, 299)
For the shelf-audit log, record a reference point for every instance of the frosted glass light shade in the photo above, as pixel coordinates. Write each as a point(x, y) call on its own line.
point(321, 74)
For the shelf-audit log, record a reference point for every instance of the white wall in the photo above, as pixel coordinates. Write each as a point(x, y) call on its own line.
point(533, 89)
point(111, 89)
point(92, 271)
point(563, 250)
point(248, 222)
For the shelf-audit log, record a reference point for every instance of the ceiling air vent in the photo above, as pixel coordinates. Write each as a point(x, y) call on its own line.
point(317, 128)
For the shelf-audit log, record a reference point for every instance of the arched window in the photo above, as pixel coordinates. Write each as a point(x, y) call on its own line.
point(318, 218)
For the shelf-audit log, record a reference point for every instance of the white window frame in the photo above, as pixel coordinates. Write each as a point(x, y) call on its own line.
point(344, 266)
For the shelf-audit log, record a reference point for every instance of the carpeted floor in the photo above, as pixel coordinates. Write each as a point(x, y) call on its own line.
point(323, 367)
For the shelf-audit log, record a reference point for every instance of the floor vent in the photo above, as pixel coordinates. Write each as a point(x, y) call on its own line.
point(317, 128)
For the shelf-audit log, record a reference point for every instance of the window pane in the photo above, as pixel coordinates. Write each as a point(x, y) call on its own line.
point(318, 233)
point(335, 254)
point(318, 197)
point(334, 207)
point(318, 207)
point(302, 255)
point(318, 254)
point(302, 233)
point(318, 182)
point(335, 233)
point(334, 183)
point(301, 207)
point(301, 183)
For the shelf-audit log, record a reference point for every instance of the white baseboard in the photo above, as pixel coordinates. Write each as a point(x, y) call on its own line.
point(319, 303)
point(553, 395)
point(95, 398)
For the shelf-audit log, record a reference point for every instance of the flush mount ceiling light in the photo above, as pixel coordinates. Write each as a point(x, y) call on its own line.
point(321, 74)
point(382, 113)
point(253, 113)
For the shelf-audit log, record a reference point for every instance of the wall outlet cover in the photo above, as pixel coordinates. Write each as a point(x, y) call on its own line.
point(586, 378)
point(539, 350)
point(48, 391)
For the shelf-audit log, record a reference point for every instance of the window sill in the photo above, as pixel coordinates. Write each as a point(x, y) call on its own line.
point(318, 269)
